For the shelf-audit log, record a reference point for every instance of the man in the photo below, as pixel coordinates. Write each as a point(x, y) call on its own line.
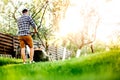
point(24, 24)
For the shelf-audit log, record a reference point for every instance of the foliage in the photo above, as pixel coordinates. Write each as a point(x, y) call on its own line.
point(99, 46)
point(100, 66)
point(8, 16)
point(7, 61)
point(47, 15)
point(114, 42)
point(58, 10)
point(86, 34)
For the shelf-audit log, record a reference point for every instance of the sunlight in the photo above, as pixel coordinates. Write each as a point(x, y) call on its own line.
point(108, 11)
point(110, 17)
point(72, 22)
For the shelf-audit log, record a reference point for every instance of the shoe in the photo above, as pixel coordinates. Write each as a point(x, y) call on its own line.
point(32, 62)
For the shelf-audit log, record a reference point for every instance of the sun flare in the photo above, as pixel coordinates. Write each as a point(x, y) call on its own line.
point(73, 21)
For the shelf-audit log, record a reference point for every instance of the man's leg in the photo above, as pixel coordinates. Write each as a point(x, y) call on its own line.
point(29, 42)
point(22, 46)
point(31, 54)
point(23, 54)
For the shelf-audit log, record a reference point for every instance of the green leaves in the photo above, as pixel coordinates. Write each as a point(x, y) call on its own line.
point(6, 1)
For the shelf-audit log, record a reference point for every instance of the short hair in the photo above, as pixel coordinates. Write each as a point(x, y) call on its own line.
point(24, 10)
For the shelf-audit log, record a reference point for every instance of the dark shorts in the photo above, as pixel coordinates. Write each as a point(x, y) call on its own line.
point(26, 40)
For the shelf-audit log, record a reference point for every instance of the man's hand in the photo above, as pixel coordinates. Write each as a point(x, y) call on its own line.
point(35, 30)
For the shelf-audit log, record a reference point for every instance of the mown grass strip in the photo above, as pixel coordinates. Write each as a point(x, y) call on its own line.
point(100, 66)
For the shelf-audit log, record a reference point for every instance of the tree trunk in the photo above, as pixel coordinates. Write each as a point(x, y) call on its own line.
point(91, 46)
point(64, 53)
point(78, 53)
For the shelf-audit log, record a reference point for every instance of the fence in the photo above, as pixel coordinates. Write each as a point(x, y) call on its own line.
point(59, 53)
point(8, 44)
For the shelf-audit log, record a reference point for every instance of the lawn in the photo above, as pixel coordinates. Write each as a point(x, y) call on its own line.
point(98, 66)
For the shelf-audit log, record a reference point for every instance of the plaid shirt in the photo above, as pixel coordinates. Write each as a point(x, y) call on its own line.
point(24, 23)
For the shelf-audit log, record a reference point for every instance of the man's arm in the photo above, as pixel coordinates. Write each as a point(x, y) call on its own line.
point(33, 24)
point(35, 30)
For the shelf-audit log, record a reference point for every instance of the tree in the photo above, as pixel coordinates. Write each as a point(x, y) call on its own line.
point(58, 12)
point(113, 41)
point(8, 15)
point(87, 33)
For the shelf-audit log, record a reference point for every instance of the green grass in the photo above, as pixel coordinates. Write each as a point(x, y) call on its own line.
point(99, 66)
point(6, 61)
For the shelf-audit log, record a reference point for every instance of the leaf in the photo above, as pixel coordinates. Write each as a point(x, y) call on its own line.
point(6, 2)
